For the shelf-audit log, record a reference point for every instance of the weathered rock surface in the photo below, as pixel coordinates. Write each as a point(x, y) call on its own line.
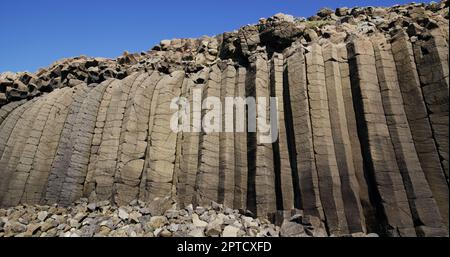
point(363, 97)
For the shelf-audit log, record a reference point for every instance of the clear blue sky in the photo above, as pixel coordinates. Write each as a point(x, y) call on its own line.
point(33, 34)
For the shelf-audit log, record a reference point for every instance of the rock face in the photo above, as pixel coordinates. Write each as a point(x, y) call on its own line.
point(363, 98)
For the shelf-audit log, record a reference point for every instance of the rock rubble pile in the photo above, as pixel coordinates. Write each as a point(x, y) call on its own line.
point(160, 218)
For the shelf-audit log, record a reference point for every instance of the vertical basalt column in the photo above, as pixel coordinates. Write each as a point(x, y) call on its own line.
point(264, 180)
point(189, 162)
point(358, 165)
point(341, 140)
point(419, 120)
point(108, 150)
point(240, 144)
point(423, 207)
point(71, 187)
point(226, 138)
point(431, 56)
point(35, 188)
point(378, 151)
point(143, 190)
point(182, 117)
point(207, 179)
point(17, 127)
point(10, 121)
point(163, 141)
point(133, 139)
point(300, 131)
point(325, 158)
point(89, 183)
point(58, 169)
point(28, 153)
point(281, 152)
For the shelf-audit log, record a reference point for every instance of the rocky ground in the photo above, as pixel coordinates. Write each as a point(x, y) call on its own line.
point(160, 218)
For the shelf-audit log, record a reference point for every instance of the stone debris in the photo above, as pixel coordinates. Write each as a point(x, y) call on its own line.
point(78, 220)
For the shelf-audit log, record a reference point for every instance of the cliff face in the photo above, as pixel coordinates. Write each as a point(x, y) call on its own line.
point(362, 118)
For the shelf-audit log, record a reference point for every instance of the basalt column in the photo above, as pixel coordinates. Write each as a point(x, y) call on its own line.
point(300, 133)
point(378, 151)
point(341, 139)
point(431, 56)
point(27, 156)
point(189, 160)
point(14, 132)
point(419, 120)
point(261, 197)
point(72, 180)
point(134, 139)
point(162, 146)
point(207, 178)
point(361, 176)
point(429, 222)
point(35, 187)
point(280, 147)
point(240, 143)
point(227, 147)
point(64, 151)
point(324, 153)
point(105, 166)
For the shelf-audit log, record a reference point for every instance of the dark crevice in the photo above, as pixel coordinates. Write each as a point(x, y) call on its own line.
point(424, 50)
point(251, 144)
point(277, 171)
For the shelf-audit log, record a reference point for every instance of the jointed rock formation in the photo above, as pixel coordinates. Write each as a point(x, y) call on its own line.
point(362, 112)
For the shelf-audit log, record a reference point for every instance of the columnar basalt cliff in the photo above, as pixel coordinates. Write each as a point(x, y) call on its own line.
point(363, 100)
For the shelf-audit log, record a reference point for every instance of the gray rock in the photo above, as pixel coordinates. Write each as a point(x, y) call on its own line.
point(249, 222)
point(214, 227)
point(92, 207)
point(123, 214)
point(165, 233)
point(157, 221)
point(42, 215)
point(196, 233)
point(189, 208)
point(103, 203)
point(134, 216)
point(197, 222)
point(230, 231)
point(171, 214)
point(200, 210)
point(174, 227)
point(16, 227)
point(159, 206)
point(324, 12)
point(292, 229)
